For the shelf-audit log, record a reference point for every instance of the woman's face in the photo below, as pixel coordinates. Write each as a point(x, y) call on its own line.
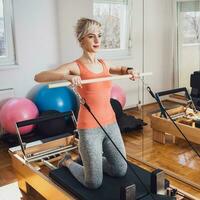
point(91, 42)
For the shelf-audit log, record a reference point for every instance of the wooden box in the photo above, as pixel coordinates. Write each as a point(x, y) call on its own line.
point(164, 129)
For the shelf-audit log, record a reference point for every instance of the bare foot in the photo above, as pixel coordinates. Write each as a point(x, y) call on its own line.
point(65, 160)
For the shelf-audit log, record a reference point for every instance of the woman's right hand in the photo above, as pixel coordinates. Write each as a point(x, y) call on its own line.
point(76, 81)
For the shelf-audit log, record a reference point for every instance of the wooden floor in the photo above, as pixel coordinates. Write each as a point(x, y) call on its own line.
point(177, 158)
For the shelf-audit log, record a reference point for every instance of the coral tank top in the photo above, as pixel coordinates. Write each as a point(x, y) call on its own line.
point(97, 96)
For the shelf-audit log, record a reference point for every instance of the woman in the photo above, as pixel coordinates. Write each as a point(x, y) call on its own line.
point(92, 140)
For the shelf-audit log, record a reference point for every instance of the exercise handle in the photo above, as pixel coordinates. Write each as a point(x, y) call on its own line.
point(67, 83)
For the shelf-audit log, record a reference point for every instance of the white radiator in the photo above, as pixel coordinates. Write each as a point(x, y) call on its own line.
point(5, 94)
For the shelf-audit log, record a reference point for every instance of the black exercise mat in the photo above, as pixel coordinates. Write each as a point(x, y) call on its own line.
point(110, 189)
point(158, 197)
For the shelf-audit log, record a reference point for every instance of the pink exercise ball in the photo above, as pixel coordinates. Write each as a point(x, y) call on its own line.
point(15, 110)
point(118, 94)
point(1, 104)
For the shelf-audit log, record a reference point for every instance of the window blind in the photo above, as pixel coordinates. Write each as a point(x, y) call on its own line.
point(189, 6)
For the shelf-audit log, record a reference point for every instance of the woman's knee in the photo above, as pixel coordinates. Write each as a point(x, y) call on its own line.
point(94, 183)
point(124, 170)
point(121, 170)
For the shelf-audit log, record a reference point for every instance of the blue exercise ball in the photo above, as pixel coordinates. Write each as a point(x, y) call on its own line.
point(61, 99)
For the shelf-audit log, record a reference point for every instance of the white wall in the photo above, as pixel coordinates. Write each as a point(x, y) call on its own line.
point(68, 13)
point(45, 37)
point(158, 56)
point(35, 24)
point(188, 63)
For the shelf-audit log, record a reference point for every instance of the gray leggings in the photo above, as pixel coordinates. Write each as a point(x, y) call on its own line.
point(92, 143)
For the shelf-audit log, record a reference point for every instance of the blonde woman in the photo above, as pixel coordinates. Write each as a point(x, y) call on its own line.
point(92, 140)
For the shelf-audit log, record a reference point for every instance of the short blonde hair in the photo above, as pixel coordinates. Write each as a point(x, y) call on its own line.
point(85, 26)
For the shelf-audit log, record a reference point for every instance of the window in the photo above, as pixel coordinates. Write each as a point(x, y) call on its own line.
point(115, 17)
point(6, 37)
point(189, 19)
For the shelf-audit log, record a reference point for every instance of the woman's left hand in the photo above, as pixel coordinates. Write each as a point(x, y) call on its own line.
point(135, 75)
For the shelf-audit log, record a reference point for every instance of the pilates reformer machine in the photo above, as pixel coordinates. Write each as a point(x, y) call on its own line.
point(185, 116)
point(36, 168)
